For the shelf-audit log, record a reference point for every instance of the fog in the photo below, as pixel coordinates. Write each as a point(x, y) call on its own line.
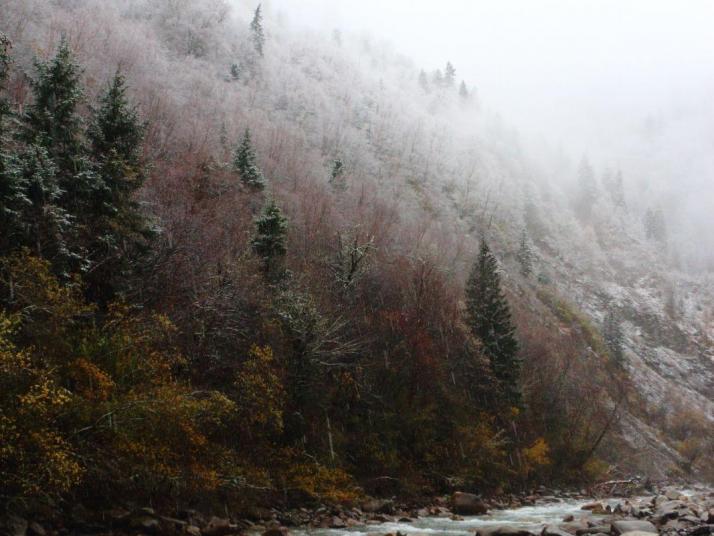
point(628, 83)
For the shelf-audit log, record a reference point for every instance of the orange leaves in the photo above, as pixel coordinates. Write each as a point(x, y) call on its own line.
point(90, 382)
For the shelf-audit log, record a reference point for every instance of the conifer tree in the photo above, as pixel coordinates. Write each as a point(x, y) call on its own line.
point(53, 122)
point(525, 255)
point(463, 91)
point(655, 226)
point(449, 75)
point(423, 82)
point(614, 338)
point(438, 78)
point(256, 31)
point(337, 175)
point(617, 191)
point(244, 163)
point(119, 231)
point(270, 239)
point(489, 318)
point(4, 73)
point(587, 190)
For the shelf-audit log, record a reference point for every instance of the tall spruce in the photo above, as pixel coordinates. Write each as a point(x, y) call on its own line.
point(525, 255)
point(587, 192)
point(489, 318)
point(120, 231)
point(270, 239)
point(244, 163)
point(463, 91)
point(256, 31)
point(5, 46)
point(449, 75)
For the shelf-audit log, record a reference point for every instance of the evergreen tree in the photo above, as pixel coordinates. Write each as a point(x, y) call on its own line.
point(463, 91)
point(655, 226)
point(489, 318)
point(244, 163)
point(525, 255)
point(235, 71)
point(617, 191)
point(438, 78)
point(4, 74)
point(256, 31)
point(337, 175)
point(270, 239)
point(53, 122)
point(423, 82)
point(587, 190)
point(119, 231)
point(614, 338)
point(449, 75)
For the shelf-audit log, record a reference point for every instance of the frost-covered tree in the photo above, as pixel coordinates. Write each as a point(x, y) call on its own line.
point(655, 226)
point(449, 75)
point(438, 78)
point(586, 194)
point(525, 255)
point(463, 91)
point(270, 239)
point(257, 35)
point(423, 81)
point(244, 163)
point(613, 335)
point(489, 318)
point(120, 229)
point(4, 73)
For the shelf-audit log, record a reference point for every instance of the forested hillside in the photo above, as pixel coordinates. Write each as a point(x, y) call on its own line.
point(245, 264)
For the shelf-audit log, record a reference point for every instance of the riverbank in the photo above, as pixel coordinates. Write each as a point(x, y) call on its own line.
point(544, 512)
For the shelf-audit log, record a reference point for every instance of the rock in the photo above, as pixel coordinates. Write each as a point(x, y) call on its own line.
point(277, 531)
point(595, 507)
point(35, 529)
point(13, 526)
point(636, 533)
point(569, 518)
point(218, 526)
point(406, 520)
point(192, 530)
point(468, 504)
point(573, 527)
point(503, 530)
point(144, 523)
point(378, 506)
point(597, 529)
point(553, 530)
point(456, 517)
point(337, 523)
point(625, 525)
point(672, 495)
point(702, 530)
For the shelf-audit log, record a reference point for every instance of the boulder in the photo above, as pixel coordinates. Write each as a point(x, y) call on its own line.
point(192, 530)
point(144, 523)
point(13, 526)
point(554, 530)
point(637, 533)
point(595, 507)
point(468, 504)
point(596, 529)
point(632, 525)
point(672, 494)
point(701, 530)
point(218, 526)
point(277, 531)
point(503, 530)
point(569, 518)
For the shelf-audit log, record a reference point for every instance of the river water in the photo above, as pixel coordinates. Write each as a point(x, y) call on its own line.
point(532, 518)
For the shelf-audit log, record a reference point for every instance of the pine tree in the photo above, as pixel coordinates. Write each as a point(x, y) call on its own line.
point(449, 75)
point(53, 122)
point(4, 74)
point(244, 163)
point(256, 31)
point(655, 226)
point(119, 231)
point(525, 255)
point(617, 192)
point(337, 175)
point(489, 318)
point(423, 82)
point(438, 78)
point(270, 239)
point(614, 338)
point(587, 190)
point(463, 91)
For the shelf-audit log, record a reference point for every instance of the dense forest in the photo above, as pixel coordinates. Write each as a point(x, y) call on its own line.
point(212, 294)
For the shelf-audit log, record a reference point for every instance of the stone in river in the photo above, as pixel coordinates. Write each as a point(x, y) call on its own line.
point(468, 504)
point(635, 525)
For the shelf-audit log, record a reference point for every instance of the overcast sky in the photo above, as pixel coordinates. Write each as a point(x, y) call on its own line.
point(547, 64)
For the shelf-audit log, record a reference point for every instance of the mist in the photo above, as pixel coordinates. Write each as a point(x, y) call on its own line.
point(628, 84)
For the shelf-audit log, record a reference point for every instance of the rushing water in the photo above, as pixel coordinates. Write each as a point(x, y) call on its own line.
point(532, 518)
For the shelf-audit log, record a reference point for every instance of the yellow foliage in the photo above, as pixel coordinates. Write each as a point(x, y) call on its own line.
point(260, 394)
point(537, 454)
point(324, 483)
